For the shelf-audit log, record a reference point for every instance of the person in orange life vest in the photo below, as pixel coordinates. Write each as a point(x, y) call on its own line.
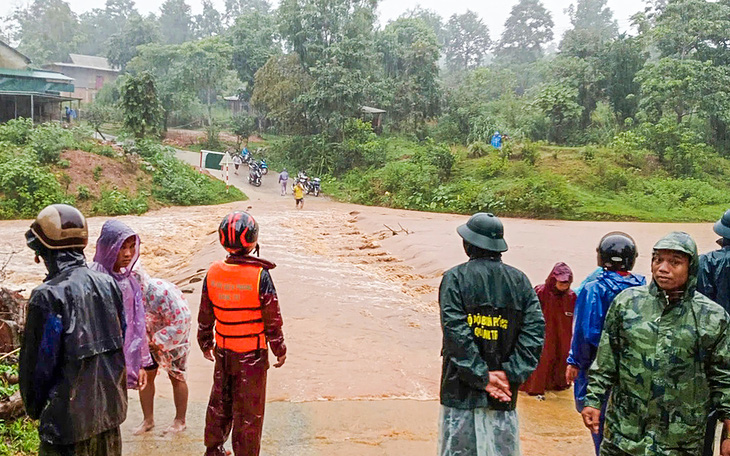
point(557, 301)
point(239, 316)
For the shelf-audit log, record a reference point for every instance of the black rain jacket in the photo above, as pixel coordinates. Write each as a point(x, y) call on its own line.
point(72, 374)
point(491, 320)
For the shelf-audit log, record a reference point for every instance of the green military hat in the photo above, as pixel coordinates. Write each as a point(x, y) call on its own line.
point(722, 226)
point(485, 231)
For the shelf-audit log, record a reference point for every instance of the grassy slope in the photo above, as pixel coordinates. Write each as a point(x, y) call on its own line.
point(607, 186)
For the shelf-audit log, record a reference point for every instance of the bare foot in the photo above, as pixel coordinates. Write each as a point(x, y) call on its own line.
point(176, 427)
point(146, 426)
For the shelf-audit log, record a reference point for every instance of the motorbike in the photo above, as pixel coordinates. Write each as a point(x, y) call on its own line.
point(315, 186)
point(254, 175)
point(264, 167)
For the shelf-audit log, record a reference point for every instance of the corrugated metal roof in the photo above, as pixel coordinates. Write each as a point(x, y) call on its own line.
point(35, 74)
point(89, 61)
point(371, 110)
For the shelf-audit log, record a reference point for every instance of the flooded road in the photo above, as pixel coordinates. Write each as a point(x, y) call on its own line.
point(360, 313)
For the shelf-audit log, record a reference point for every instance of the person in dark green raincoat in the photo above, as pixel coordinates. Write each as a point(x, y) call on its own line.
point(493, 332)
point(664, 356)
point(713, 279)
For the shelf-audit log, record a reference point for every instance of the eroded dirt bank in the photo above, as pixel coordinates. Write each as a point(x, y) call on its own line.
point(360, 313)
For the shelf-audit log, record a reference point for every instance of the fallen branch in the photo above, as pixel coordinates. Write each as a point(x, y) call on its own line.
point(12, 408)
point(396, 232)
point(8, 355)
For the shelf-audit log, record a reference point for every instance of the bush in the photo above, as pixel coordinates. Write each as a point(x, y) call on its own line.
point(48, 140)
point(119, 202)
point(26, 188)
point(588, 153)
point(19, 437)
point(530, 152)
point(360, 148)
point(540, 196)
point(479, 149)
point(16, 131)
point(84, 194)
point(98, 170)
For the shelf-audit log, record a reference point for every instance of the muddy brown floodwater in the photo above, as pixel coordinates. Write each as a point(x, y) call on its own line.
point(361, 317)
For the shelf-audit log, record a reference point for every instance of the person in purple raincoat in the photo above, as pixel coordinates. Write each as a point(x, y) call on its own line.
point(117, 251)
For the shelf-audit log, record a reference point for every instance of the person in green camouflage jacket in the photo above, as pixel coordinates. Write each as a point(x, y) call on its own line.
point(664, 356)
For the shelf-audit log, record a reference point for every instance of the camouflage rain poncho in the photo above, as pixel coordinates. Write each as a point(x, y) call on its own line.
point(666, 365)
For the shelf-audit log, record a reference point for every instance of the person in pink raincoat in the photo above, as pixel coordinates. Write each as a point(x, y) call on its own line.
point(117, 251)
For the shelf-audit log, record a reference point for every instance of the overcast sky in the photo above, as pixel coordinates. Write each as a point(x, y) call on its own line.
point(494, 12)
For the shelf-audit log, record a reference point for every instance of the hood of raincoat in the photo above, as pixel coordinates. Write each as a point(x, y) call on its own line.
point(682, 242)
point(113, 235)
point(561, 273)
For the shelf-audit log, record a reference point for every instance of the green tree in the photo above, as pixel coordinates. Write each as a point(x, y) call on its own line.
point(236, 8)
point(466, 41)
point(528, 28)
point(620, 61)
point(122, 46)
point(593, 27)
point(176, 22)
point(279, 84)
point(46, 30)
point(559, 103)
point(140, 106)
point(98, 25)
point(431, 18)
point(209, 22)
point(254, 40)
point(410, 59)
point(683, 89)
point(695, 29)
point(310, 27)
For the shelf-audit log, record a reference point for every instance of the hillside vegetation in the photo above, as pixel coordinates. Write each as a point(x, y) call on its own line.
point(626, 180)
point(45, 164)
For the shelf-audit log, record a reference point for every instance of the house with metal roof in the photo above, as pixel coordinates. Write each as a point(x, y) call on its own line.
point(29, 92)
point(89, 72)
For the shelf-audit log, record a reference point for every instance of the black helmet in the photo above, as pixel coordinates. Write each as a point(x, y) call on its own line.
point(617, 251)
point(485, 231)
point(239, 232)
point(57, 227)
point(722, 226)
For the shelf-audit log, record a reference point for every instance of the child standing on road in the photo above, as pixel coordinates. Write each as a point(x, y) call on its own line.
point(239, 305)
point(117, 251)
point(168, 329)
point(299, 195)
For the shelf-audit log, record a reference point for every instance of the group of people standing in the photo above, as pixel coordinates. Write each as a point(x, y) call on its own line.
point(650, 362)
point(95, 331)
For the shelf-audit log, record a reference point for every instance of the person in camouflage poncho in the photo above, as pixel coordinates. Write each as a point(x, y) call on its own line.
point(664, 356)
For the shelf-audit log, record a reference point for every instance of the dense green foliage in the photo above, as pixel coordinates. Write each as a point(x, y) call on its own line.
point(28, 182)
point(308, 68)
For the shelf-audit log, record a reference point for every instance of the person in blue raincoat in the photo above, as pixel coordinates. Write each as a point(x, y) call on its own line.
point(616, 255)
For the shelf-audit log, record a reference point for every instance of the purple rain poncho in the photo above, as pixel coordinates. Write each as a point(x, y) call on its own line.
point(136, 346)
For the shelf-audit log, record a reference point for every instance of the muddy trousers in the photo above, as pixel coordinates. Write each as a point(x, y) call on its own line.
point(108, 443)
point(237, 402)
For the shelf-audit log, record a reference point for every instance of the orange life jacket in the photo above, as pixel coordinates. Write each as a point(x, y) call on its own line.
point(234, 291)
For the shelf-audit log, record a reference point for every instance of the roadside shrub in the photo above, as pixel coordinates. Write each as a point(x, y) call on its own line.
point(178, 183)
point(360, 147)
point(119, 202)
point(588, 153)
point(540, 196)
point(26, 188)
